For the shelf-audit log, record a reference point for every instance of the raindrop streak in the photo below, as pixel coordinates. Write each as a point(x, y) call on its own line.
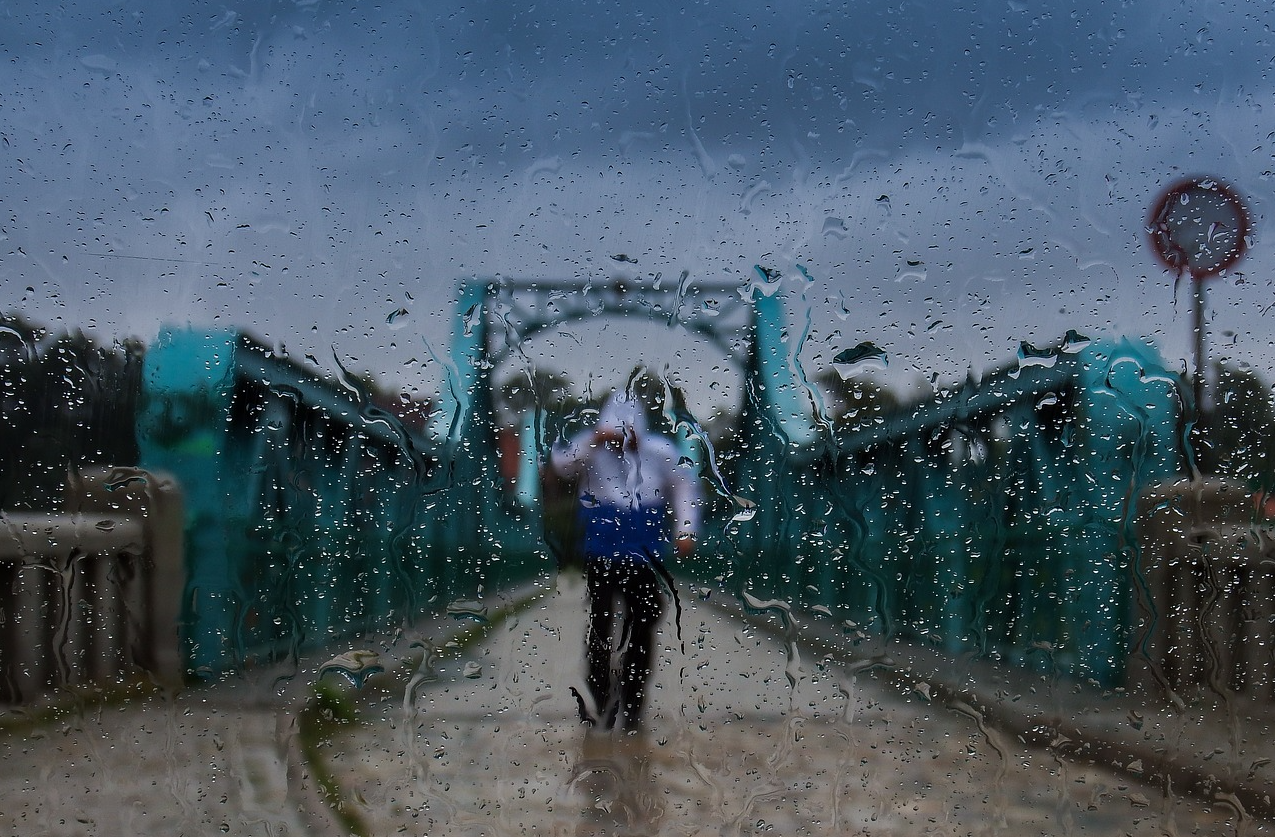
point(398, 318)
point(792, 670)
point(356, 666)
point(866, 355)
point(1029, 355)
point(426, 672)
point(675, 308)
point(468, 610)
point(372, 415)
point(685, 420)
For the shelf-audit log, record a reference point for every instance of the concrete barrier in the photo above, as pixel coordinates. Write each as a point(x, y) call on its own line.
point(92, 593)
point(1204, 591)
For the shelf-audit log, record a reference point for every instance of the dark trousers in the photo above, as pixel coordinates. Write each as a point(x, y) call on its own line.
point(634, 592)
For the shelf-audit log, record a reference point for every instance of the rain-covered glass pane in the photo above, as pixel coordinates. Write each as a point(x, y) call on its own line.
point(470, 419)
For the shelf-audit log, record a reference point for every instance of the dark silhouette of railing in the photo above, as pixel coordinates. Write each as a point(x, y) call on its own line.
point(994, 520)
point(90, 594)
point(1204, 591)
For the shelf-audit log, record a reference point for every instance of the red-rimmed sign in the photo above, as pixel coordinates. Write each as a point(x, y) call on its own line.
point(1199, 225)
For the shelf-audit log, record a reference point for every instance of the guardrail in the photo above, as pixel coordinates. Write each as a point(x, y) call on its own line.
point(993, 521)
point(1205, 593)
point(91, 594)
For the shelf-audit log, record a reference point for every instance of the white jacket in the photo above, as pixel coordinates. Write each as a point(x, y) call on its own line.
point(648, 470)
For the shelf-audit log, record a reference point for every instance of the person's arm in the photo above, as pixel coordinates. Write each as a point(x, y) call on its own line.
point(684, 504)
point(568, 459)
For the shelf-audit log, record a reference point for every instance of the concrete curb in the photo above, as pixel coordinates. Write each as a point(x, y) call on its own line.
point(306, 756)
point(1194, 747)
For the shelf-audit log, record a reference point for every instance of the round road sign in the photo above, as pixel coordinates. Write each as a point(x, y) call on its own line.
point(1199, 225)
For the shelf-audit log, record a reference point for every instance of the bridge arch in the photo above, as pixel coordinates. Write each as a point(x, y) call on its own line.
point(496, 317)
point(578, 360)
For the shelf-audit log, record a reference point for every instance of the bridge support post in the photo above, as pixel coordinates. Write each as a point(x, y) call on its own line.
point(182, 430)
point(769, 542)
point(465, 538)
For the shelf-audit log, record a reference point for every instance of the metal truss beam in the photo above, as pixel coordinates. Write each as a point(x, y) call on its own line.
point(719, 312)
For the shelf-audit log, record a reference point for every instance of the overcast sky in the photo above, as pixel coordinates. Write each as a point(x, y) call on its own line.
point(952, 182)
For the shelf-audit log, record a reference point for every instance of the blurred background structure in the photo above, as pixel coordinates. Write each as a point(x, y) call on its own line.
point(1000, 518)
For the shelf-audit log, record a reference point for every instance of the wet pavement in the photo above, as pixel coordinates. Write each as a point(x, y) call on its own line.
point(153, 766)
point(751, 728)
point(746, 733)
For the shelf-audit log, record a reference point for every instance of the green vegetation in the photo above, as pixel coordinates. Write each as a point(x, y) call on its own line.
point(1237, 437)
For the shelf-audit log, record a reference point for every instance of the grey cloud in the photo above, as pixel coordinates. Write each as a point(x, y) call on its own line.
point(351, 152)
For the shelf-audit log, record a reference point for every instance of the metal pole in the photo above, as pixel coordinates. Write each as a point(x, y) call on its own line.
point(1200, 365)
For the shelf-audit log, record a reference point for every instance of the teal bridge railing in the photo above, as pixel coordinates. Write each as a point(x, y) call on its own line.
point(995, 519)
point(313, 513)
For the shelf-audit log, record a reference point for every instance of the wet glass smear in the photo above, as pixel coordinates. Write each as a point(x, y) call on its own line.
point(494, 419)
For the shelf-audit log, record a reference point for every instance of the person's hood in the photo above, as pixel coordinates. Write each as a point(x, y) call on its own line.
point(622, 412)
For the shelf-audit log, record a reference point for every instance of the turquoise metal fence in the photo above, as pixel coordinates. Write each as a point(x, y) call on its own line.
point(312, 514)
point(995, 519)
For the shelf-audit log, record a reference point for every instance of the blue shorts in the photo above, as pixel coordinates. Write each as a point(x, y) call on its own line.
point(639, 535)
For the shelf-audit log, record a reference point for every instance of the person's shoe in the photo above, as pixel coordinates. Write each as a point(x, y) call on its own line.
point(586, 717)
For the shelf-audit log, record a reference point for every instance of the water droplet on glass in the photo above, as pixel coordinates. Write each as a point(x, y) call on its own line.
point(124, 482)
point(397, 318)
point(464, 609)
point(747, 509)
point(864, 355)
point(356, 665)
point(473, 670)
point(470, 318)
point(770, 281)
point(1029, 355)
point(762, 606)
point(1074, 342)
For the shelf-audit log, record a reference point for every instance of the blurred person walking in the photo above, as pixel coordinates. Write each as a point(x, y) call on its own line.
point(638, 500)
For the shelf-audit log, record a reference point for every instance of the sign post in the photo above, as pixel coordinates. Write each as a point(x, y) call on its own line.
point(1199, 226)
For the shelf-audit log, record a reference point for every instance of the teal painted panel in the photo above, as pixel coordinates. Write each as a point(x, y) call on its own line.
point(188, 384)
point(995, 520)
point(312, 514)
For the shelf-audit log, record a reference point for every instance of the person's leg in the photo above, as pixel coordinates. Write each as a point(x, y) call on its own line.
point(644, 604)
point(602, 590)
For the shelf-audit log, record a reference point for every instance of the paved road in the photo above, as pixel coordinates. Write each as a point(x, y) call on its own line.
point(191, 764)
point(748, 733)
